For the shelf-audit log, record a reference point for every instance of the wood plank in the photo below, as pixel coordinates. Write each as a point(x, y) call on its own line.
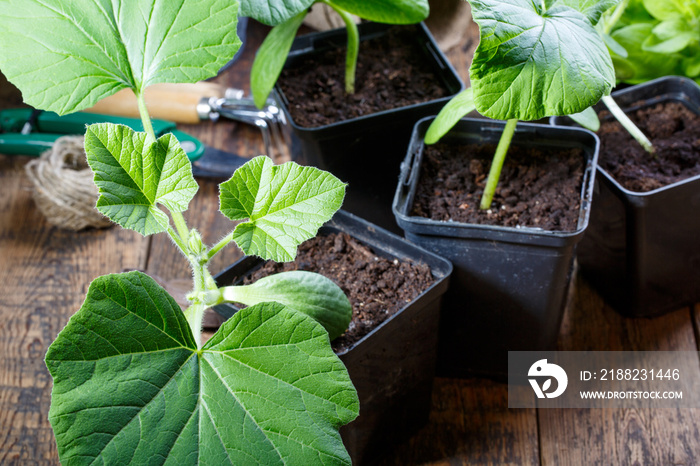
point(470, 423)
point(620, 436)
point(44, 274)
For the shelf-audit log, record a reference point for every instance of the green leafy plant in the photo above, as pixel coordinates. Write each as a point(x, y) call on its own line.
point(648, 39)
point(534, 59)
point(287, 16)
point(654, 38)
point(133, 382)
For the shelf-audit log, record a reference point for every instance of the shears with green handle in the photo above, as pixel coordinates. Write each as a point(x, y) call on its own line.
point(45, 127)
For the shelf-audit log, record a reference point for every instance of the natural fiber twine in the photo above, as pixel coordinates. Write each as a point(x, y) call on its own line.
point(64, 189)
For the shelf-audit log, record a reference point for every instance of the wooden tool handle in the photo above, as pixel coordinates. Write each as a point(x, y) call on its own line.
point(173, 102)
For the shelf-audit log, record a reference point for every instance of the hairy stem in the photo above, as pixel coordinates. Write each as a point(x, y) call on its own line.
point(631, 128)
point(353, 47)
point(194, 315)
point(220, 245)
point(181, 225)
point(497, 164)
point(177, 240)
point(145, 117)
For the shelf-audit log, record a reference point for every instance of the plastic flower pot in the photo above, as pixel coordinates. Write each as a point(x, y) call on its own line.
point(509, 287)
point(393, 366)
point(642, 250)
point(365, 151)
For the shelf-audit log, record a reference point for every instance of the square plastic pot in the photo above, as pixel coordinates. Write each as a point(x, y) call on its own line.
point(642, 250)
point(509, 287)
point(392, 367)
point(365, 152)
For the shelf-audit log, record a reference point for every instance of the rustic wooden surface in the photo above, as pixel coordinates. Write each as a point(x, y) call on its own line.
point(44, 274)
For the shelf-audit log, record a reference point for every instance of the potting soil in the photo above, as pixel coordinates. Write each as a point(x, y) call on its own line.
point(377, 287)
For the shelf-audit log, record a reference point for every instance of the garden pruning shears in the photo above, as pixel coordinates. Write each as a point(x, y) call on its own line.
point(31, 132)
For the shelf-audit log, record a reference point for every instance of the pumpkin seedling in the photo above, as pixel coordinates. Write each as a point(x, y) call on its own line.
point(589, 118)
point(534, 59)
point(286, 17)
point(132, 381)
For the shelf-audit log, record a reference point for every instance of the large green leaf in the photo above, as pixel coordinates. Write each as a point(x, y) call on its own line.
point(308, 292)
point(644, 65)
point(274, 12)
point(130, 386)
point(66, 55)
point(134, 176)
point(532, 63)
point(387, 11)
point(593, 9)
point(285, 205)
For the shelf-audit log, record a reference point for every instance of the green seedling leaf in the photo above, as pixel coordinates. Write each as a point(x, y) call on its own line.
point(614, 47)
point(592, 9)
point(285, 205)
point(310, 293)
point(670, 36)
point(387, 11)
point(130, 386)
point(456, 108)
point(66, 55)
point(667, 9)
point(555, 57)
point(587, 118)
point(271, 57)
point(645, 65)
point(134, 176)
point(274, 12)
point(692, 67)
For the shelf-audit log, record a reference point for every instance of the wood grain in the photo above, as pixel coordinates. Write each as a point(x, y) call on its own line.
point(620, 436)
point(470, 423)
point(44, 274)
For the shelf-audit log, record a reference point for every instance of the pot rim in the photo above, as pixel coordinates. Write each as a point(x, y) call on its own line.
point(684, 99)
point(409, 178)
point(371, 235)
point(434, 50)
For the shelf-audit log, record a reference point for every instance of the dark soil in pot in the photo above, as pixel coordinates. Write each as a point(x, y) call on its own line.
point(392, 72)
point(376, 286)
point(539, 187)
point(674, 131)
point(392, 366)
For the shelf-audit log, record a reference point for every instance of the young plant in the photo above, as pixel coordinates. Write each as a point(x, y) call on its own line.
point(654, 38)
point(535, 59)
point(287, 18)
point(132, 381)
point(589, 118)
point(649, 39)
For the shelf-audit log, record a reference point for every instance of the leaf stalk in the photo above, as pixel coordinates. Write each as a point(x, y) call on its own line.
point(497, 164)
point(631, 128)
point(145, 117)
point(220, 245)
point(353, 47)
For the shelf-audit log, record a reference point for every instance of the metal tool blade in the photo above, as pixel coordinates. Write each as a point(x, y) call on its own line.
point(216, 163)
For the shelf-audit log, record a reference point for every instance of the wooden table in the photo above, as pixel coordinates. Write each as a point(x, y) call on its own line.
point(45, 272)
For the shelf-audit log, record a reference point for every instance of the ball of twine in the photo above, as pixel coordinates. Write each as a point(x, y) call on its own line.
point(63, 186)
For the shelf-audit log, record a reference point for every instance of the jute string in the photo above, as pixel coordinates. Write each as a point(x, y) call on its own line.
point(64, 189)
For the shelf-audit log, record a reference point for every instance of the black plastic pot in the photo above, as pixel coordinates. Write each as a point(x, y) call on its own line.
point(642, 250)
point(509, 287)
point(392, 367)
point(365, 152)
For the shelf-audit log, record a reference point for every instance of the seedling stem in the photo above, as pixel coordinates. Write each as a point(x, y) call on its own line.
point(624, 120)
point(497, 164)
